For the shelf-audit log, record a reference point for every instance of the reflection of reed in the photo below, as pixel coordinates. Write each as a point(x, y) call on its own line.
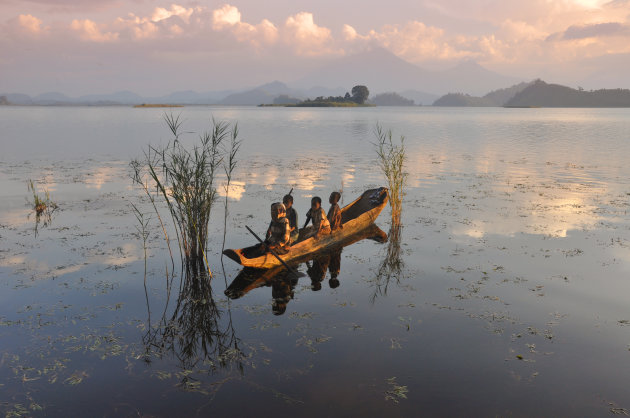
point(194, 332)
point(392, 265)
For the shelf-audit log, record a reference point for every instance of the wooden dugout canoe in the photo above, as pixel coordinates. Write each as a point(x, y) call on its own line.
point(252, 278)
point(355, 217)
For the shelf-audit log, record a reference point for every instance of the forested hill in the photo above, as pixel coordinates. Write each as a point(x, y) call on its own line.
point(494, 98)
point(541, 94)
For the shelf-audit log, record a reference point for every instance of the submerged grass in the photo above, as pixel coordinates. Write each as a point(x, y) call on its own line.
point(184, 180)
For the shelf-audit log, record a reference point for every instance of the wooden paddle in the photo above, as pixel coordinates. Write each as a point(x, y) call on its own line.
point(272, 252)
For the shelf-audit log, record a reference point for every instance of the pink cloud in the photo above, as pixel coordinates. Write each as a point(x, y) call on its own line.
point(91, 31)
point(307, 38)
point(30, 23)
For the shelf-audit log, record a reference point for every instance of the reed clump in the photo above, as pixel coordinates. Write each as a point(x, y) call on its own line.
point(391, 160)
point(183, 180)
point(41, 205)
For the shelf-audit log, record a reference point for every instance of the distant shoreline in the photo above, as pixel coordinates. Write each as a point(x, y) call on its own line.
point(156, 105)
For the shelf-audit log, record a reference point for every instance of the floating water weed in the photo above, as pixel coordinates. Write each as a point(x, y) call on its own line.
point(395, 392)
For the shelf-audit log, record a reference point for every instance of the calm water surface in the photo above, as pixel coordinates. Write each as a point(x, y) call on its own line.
point(511, 300)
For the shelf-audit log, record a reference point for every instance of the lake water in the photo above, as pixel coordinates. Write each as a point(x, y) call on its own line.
point(511, 300)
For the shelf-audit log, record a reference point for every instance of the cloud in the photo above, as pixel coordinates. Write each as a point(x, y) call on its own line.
point(593, 31)
point(161, 13)
point(306, 37)
point(30, 23)
point(225, 17)
point(228, 18)
point(91, 31)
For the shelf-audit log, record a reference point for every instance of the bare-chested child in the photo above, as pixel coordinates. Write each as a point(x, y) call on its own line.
point(318, 216)
point(334, 213)
point(291, 216)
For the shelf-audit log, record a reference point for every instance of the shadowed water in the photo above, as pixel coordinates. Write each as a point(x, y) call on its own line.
point(505, 292)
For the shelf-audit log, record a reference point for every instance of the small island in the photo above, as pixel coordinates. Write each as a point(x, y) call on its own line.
point(358, 98)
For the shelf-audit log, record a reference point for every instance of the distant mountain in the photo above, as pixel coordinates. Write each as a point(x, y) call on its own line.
point(120, 97)
point(265, 94)
point(18, 99)
point(471, 78)
point(377, 68)
point(381, 70)
point(495, 98)
point(51, 98)
point(463, 100)
point(420, 97)
point(391, 99)
point(501, 96)
point(541, 94)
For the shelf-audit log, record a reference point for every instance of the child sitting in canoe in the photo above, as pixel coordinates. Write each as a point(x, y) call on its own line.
point(334, 213)
point(318, 216)
point(292, 216)
point(279, 232)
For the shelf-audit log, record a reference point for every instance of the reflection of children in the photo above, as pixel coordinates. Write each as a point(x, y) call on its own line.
point(318, 216)
point(334, 213)
point(335, 267)
point(291, 216)
point(317, 271)
point(282, 293)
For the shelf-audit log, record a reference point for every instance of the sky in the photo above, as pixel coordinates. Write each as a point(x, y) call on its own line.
point(156, 47)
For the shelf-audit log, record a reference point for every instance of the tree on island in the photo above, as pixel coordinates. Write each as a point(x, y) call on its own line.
point(360, 94)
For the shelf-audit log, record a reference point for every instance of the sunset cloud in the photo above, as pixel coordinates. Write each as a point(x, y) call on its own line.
point(228, 18)
point(308, 38)
point(160, 13)
point(30, 23)
point(91, 31)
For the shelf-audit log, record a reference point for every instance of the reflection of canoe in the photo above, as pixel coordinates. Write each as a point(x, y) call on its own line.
point(252, 278)
point(355, 217)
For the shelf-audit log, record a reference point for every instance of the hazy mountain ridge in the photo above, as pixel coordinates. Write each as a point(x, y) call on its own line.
point(378, 69)
point(541, 94)
point(391, 99)
point(495, 98)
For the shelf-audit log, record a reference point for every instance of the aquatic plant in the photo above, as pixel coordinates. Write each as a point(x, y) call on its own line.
point(391, 160)
point(229, 166)
point(41, 205)
point(184, 180)
point(44, 207)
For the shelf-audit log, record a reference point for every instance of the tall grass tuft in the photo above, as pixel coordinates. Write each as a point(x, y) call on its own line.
point(44, 207)
point(391, 159)
point(41, 205)
point(183, 180)
point(229, 165)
